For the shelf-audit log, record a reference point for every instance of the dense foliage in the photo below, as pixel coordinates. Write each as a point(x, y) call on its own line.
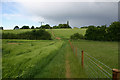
point(25, 27)
point(47, 26)
point(16, 27)
point(61, 26)
point(76, 36)
point(32, 35)
point(1, 28)
point(103, 33)
point(32, 27)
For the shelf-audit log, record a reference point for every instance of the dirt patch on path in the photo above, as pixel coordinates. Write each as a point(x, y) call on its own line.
point(55, 36)
point(67, 66)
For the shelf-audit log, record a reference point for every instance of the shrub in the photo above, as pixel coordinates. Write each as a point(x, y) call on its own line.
point(76, 36)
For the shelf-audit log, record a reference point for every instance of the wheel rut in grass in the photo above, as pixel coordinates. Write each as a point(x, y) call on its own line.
point(67, 64)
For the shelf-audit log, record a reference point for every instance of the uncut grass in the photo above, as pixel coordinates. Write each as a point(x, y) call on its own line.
point(56, 68)
point(76, 70)
point(106, 52)
point(20, 60)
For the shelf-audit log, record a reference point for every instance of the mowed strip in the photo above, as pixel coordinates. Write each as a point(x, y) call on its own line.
point(67, 64)
point(73, 65)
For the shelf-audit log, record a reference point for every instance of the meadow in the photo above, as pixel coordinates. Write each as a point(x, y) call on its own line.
point(54, 58)
point(105, 52)
point(26, 58)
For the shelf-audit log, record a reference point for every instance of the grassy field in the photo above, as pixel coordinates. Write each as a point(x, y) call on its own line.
point(54, 58)
point(105, 52)
point(66, 33)
point(26, 58)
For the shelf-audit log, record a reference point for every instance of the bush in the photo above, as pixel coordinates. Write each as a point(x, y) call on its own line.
point(32, 35)
point(76, 36)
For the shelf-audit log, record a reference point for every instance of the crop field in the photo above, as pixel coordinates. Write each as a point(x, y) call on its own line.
point(56, 58)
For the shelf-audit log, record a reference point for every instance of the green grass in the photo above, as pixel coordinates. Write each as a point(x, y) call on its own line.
point(76, 70)
point(27, 59)
point(47, 58)
point(57, 67)
point(66, 33)
point(105, 52)
point(16, 31)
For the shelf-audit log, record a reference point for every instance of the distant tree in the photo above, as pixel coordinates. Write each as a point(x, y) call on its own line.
point(56, 27)
point(37, 27)
point(1, 28)
point(25, 27)
point(16, 27)
point(64, 26)
point(32, 27)
point(47, 26)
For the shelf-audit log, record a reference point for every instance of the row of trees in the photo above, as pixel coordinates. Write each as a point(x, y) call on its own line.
point(47, 26)
point(61, 26)
point(40, 34)
point(103, 33)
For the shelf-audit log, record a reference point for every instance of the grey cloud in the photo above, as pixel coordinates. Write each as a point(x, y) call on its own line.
point(79, 13)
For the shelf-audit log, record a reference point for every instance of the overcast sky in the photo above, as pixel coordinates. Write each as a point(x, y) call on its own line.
point(78, 13)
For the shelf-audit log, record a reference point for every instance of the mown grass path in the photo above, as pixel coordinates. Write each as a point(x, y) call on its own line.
point(67, 65)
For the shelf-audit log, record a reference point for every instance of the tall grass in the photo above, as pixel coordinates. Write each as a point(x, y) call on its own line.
point(26, 59)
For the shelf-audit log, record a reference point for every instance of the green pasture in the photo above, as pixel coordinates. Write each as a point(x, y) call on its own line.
point(105, 52)
point(22, 58)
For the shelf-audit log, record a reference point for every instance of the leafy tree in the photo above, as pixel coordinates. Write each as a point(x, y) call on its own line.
point(56, 27)
point(1, 28)
point(113, 31)
point(47, 26)
point(32, 27)
point(25, 27)
point(91, 33)
point(16, 27)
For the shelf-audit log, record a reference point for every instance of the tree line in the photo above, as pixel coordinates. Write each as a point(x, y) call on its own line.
point(47, 26)
point(40, 34)
point(100, 33)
